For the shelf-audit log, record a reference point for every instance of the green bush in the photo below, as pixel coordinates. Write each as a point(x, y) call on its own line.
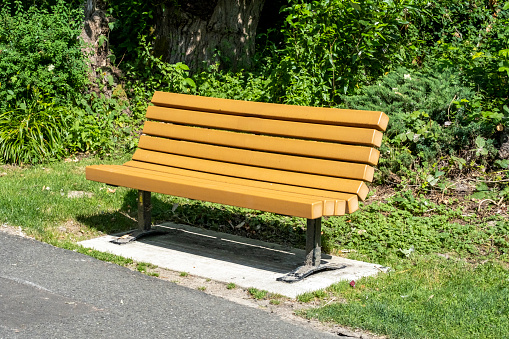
point(39, 49)
point(331, 46)
point(230, 85)
point(432, 114)
point(148, 73)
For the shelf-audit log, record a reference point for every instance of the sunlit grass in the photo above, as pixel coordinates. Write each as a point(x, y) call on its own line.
point(430, 297)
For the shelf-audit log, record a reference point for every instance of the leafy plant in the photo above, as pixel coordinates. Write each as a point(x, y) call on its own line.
point(331, 46)
point(34, 131)
point(40, 49)
point(256, 293)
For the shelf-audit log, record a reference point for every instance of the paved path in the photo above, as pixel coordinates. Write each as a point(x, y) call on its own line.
point(48, 292)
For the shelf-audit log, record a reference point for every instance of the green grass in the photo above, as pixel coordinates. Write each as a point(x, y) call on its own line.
point(308, 296)
point(430, 297)
point(39, 199)
point(257, 294)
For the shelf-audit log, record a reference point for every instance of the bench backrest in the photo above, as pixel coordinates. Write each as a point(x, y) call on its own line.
point(323, 148)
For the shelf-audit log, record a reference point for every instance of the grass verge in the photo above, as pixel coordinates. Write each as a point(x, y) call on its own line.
point(430, 297)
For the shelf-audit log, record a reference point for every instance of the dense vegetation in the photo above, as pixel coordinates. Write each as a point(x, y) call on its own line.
point(439, 68)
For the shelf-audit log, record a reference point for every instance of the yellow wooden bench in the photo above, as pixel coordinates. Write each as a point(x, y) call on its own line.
point(301, 161)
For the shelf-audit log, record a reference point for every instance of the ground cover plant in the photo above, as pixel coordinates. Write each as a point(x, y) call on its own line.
point(437, 214)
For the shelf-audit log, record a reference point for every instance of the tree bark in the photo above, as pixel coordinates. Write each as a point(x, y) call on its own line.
point(95, 35)
point(202, 32)
point(95, 25)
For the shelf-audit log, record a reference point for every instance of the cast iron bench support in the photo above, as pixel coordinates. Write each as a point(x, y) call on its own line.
point(144, 220)
point(312, 263)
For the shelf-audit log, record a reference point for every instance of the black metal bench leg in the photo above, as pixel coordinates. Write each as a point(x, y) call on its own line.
point(313, 242)
point(313, 254)
point(144, 220)
point(144, 211)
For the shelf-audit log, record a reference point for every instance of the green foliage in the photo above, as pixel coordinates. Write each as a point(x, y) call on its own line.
point(257, 294)
point(34, 131)
point(39, 49)
point(384, 230)
point(471, 37)
point(103, 126)
point(148, 73)
point(132, 19)
point(330, 46)
point(229, 85)
point(431, 114)
point(309, 296)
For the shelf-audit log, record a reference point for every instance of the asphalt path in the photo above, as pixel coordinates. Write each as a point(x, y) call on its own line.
point(49, 292)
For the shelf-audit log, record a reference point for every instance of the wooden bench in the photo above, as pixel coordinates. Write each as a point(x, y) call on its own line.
point(301, 161)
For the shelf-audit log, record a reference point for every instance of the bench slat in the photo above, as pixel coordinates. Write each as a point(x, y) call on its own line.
point(340, 134)
point(329, 204)
point(263, 174)
point(322, 115)
point(340, 198)
point(259, 159)
point(299, 147)
point(207, 191)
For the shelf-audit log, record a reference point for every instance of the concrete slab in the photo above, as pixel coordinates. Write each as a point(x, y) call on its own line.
point(229, 258)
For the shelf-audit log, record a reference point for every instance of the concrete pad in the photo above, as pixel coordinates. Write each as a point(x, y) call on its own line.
point(232, 259)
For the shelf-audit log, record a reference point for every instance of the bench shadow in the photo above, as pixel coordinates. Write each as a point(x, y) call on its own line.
point(200, 242)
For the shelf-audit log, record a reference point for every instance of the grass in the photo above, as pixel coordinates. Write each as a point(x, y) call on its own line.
point(424, 296)
point(146, 268)
point(257, 294)
point(431, 297)
point(308, 296)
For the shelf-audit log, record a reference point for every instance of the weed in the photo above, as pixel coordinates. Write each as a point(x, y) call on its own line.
point(145, 268)
point(256, 293)
point(231, 286)
point(202, 288)
point(184, 274)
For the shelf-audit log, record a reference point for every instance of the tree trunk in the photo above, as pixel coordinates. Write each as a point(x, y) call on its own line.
point(203, 32)
point(95, 26)
point(95, 35)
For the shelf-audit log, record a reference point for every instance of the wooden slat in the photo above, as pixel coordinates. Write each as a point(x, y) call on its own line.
point(263, 174)
point(344, 203)
point(329, 204)
point(259, 159)
point(264, 143)
point(332, 116)
point(207, 191)
point(340, 134)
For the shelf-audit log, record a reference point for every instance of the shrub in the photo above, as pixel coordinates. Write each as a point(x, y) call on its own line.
point(39, 49)
point(331, 46)
point(432, 114)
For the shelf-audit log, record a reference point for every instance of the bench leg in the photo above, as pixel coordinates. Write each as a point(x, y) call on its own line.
point(144, 211)
point(144, 221)
point(313, 254)
point(313, 242)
